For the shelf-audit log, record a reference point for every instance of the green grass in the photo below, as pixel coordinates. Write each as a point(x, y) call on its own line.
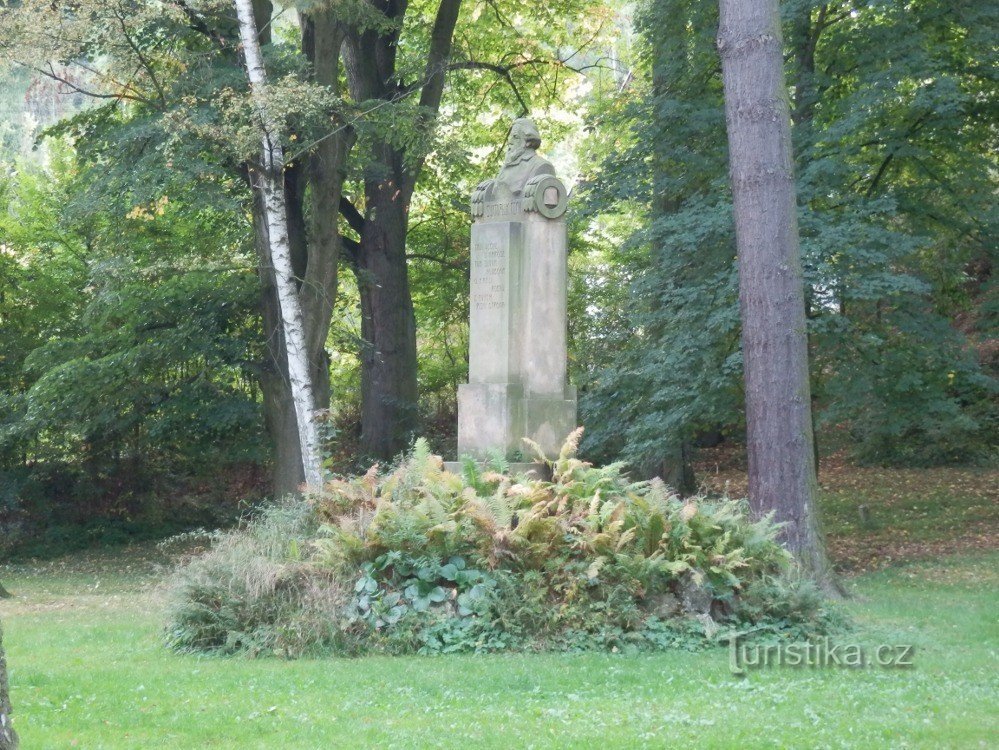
point(90, 671)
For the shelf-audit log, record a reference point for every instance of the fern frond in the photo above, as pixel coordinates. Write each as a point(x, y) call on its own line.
point(571, 444)
point(537, 450)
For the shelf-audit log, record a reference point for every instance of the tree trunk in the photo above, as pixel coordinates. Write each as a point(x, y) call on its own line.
point(271, 183)
point(771, 292)
point(388, 326)
point(805, 36)
point(8, 738)
point(322, 38)
point(674, 468)
point(389, 394)
point(279, 409)
point(315, 253)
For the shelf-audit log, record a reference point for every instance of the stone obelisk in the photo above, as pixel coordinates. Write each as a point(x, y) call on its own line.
point(517, 340)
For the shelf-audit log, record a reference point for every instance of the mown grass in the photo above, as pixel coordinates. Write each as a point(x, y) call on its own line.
point(90, 671)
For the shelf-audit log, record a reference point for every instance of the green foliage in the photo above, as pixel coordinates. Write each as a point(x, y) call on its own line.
point(66, 637)
point(438, 562)
point(895, 166)
point(128, 349)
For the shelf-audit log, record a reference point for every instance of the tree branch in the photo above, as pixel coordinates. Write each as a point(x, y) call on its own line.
point(440, 51)
point(354, 218)
point(198, 23)
point(353, 248)
point(500, 70)
point(434, 259)
point(146, 65)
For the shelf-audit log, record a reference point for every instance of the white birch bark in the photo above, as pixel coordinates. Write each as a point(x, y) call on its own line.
point(270, 179)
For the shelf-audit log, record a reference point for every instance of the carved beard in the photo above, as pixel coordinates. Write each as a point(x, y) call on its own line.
point(520, 155)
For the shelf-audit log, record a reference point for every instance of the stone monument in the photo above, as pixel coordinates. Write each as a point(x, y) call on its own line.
point(517, 340)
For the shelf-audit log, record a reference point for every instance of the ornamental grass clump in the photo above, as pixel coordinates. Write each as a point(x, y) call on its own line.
point(430, 561)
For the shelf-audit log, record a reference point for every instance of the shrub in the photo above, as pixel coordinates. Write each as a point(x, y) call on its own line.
point(254, 592)
point(421, 559)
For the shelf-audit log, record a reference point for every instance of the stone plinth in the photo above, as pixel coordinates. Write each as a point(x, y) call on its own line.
point(533, 471)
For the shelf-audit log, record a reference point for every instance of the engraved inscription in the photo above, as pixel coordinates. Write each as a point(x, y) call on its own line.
point(489, 277)
point(492, 210)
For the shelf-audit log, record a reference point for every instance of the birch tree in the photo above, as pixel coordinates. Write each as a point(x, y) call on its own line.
point(771, 289)
point(269, 178)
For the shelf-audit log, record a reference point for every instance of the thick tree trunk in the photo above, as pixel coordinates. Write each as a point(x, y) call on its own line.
point(771, 293)
point(389, 394)
point(8, 738)
point(315, 251)
point(322, 38)
point(388, 326)
point(272, 186)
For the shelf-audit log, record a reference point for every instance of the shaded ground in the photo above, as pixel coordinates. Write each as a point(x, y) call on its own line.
point(873, 516)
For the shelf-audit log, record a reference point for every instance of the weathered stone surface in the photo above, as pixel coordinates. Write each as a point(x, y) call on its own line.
point(517, 352)
point(516, 468)
point(664, 606)
point(695, 597)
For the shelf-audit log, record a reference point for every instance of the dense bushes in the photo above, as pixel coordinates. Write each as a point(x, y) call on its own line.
point(255, 592)
point(425, 560)
point(50, 509)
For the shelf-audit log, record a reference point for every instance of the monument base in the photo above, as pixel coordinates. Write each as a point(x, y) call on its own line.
point(496, 417)
point(534, 471)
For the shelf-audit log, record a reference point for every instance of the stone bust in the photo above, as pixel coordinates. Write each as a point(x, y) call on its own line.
point(522, 160)
point(526, 183)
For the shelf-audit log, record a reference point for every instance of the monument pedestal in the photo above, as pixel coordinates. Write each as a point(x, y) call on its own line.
point(497, 416)
point(533, 471)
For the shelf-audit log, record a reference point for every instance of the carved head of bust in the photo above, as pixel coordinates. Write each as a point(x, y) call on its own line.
point(523, 142)
point(522, 159)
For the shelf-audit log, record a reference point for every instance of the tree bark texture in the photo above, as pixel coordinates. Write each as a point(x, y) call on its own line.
point(8, 738)
point(316, 182)
point(278, 407)
point(771, 293)
point(270, 179)
point(389, 393)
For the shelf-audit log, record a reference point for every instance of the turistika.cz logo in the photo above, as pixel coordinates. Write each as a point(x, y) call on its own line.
point(821, 653)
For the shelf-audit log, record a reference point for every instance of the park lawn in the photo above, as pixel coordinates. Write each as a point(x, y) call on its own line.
point(90, 671)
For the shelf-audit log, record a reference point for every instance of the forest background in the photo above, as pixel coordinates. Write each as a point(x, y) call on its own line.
point(139, 391)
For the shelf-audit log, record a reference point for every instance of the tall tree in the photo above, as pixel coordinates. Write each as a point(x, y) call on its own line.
point(8, 737)
point(895, 164)
point(671, 371)
point(771, 286)
point(169, 75)
point(270, 176)
point(391, 168)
